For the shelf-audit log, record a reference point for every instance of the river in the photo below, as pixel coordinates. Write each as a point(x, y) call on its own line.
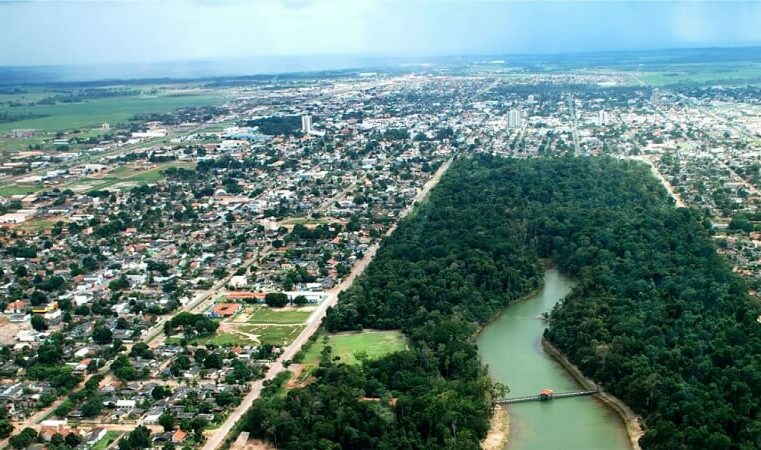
point(511, 347)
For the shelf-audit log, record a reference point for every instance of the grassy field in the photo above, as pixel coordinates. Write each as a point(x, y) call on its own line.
point(278, 335)
point(274, 334)
point(345, 345)
point(92, 113)
point(122, 177)
point(7, 191)
point(264, 315)
point(704, 74)
point(219, 339)
point(309, 221)
point(37, 225)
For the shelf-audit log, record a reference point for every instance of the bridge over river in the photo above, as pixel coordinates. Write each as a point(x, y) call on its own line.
point(544, 396)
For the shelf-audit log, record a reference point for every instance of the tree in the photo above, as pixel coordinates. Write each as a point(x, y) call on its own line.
point(24, 439)
point(197, 425)
point(101, 334)
point(38, 323)
point(124, 370)
point(213, 361)
point(92, 407)
point(138, 438)
point(119, 284)
point(64, 408)
point(191, 324)
point(141, 350)
point(38, 298)
point(72, 440)
point(57, 440)
point(167, 421)
point(6, 428)
point(276, 299)
point(300, 300)
point(160, 392)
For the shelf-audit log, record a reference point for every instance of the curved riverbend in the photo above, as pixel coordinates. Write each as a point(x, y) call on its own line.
point(512, 348)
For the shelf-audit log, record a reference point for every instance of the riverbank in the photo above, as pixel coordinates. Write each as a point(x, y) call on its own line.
point(499, 424)
point(631, 421)
point(499, 430)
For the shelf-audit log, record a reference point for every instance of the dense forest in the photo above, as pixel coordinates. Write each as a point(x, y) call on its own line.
point(436, 278)
point(277, 125)
point(657, 316)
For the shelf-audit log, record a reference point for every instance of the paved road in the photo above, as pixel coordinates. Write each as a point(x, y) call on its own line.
point(313, 323)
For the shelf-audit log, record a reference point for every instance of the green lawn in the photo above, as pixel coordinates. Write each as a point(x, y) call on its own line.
point(222, 339)
point(37, 225)
point(219, 339)
point(345, 345)
point(266, 334)
point(106, 440)
point(7, 191)
point(274, 334)
point(265, 315)
point(66, 116)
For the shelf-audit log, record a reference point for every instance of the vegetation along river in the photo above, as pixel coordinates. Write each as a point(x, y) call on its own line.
point(511, 347)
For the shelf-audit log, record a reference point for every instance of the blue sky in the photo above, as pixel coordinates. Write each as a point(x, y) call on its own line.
point(150, 31)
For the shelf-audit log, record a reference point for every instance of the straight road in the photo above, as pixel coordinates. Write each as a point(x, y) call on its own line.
point(669, 187)
point(314, 321)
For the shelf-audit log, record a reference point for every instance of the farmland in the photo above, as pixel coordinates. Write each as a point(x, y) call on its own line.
point(703, 74)
point(91, 113)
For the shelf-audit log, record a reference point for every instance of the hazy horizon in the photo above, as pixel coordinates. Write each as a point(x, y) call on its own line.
point(103, 33)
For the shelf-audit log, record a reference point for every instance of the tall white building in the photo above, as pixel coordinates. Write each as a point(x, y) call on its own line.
point(655, 97)
point(514, 118)
point(306, 124)
point(602, 118)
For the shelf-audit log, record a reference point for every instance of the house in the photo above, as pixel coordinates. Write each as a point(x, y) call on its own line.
point(179, 436)
point(125, 404)
point(54, 316)
point(82, 366)
point(238, 281)
point(50, 427)
point(17, 307)
point(224, 310)
point(82, 299)
point(19, 318)
point(312, 297)
point(44, 309)
point(28, 336)
point(123, 335)
point(151, 419)
point(256, 296)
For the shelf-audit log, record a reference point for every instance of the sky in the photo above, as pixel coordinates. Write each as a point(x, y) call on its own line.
point(54, 32)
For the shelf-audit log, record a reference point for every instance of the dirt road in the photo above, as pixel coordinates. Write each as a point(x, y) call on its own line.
point(669, 188)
